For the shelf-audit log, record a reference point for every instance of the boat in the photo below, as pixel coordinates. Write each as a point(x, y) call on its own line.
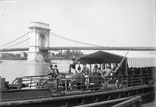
point(71, 90)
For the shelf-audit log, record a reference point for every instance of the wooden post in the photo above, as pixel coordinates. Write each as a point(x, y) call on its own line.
point(2, 84)
point(100, 67)
point(19, 81)
point(90, 66)
point(103, 66)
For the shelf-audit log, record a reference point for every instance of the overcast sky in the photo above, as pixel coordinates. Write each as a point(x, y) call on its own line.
point(100, 22)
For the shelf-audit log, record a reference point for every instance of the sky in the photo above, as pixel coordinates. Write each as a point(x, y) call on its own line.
point(100, 22)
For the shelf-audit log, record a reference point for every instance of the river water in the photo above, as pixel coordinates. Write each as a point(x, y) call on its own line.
point(12, 69)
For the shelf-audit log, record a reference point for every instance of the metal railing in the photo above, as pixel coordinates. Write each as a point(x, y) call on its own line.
point(30, 82)
point(133, 102)
point(63, 84)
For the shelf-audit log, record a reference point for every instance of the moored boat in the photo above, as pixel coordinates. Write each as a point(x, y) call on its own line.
point(77, 89)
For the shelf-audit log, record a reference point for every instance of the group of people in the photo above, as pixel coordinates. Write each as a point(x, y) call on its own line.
point(104, 72)
point(78, 67)
point(82, 71)
point(108, 75)
point(53, 71)
point(82, 68)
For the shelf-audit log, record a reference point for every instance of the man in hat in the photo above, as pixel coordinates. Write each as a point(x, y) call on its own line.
point(73, 65)
point(56, 70)
point(51, 71)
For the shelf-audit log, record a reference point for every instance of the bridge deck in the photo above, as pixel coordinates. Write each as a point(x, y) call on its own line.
point(85, 48)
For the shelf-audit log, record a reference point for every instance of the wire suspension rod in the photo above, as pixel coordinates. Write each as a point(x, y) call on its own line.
point(14, 40)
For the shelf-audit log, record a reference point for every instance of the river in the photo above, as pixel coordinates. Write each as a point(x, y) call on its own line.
point(12, 69)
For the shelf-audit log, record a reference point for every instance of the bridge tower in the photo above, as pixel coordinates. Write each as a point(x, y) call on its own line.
point(39, 39)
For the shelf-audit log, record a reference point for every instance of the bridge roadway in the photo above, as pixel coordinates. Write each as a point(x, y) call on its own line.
point(85, 48)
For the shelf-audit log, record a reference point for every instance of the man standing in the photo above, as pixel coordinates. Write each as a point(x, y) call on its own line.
point(78, 67)
point(73, 65)
point(106, 71)
point(85, 70)
point(56, 70)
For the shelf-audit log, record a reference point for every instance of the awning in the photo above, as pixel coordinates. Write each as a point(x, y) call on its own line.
point(101, 57)
point(139, 59)
point(141, 62)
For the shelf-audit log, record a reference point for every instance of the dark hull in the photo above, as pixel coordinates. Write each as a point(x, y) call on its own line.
point(42, 98)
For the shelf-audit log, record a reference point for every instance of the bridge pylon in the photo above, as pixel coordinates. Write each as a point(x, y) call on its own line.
point(39, 39)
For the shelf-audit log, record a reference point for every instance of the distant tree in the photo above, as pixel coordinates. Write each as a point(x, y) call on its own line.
point(68, 54)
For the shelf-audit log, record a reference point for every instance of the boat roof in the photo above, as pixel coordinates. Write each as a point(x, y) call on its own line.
point(101, 57)
point(135, 59)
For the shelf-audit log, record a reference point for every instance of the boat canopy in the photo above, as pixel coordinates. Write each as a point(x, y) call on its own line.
point(135, 59)
point(101, 57)
point(141, 59)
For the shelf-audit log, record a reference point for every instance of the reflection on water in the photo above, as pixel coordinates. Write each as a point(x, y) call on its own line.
point(12, 69)
point(151, 104)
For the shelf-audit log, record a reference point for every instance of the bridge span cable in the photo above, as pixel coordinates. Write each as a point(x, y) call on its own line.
point(16, 43)
point(65, 38)
point(14, 40)
point(106, 47)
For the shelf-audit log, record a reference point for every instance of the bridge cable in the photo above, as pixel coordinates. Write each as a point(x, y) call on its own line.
point(65, 38)
point(17, 43)
point(14, 40)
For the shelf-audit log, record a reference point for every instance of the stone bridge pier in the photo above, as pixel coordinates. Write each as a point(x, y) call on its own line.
point(39, 38)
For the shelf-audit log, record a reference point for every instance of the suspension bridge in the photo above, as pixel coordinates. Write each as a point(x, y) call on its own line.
point(39, 43)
